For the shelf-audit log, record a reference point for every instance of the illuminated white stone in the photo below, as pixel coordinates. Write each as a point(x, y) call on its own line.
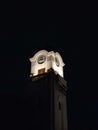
point(46, 60)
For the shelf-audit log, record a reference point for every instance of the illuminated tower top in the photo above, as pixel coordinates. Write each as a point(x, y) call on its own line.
point(43, 61)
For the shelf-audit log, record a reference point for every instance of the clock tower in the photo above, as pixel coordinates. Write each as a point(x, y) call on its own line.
point(48, 91)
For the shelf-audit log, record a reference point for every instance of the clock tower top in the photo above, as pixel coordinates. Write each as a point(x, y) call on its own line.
point(43, 61)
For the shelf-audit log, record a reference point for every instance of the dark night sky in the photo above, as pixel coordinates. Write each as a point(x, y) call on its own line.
point(18, 47)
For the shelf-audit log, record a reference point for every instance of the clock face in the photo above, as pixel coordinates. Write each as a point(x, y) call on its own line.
point(57, 61)
point(41, 59)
